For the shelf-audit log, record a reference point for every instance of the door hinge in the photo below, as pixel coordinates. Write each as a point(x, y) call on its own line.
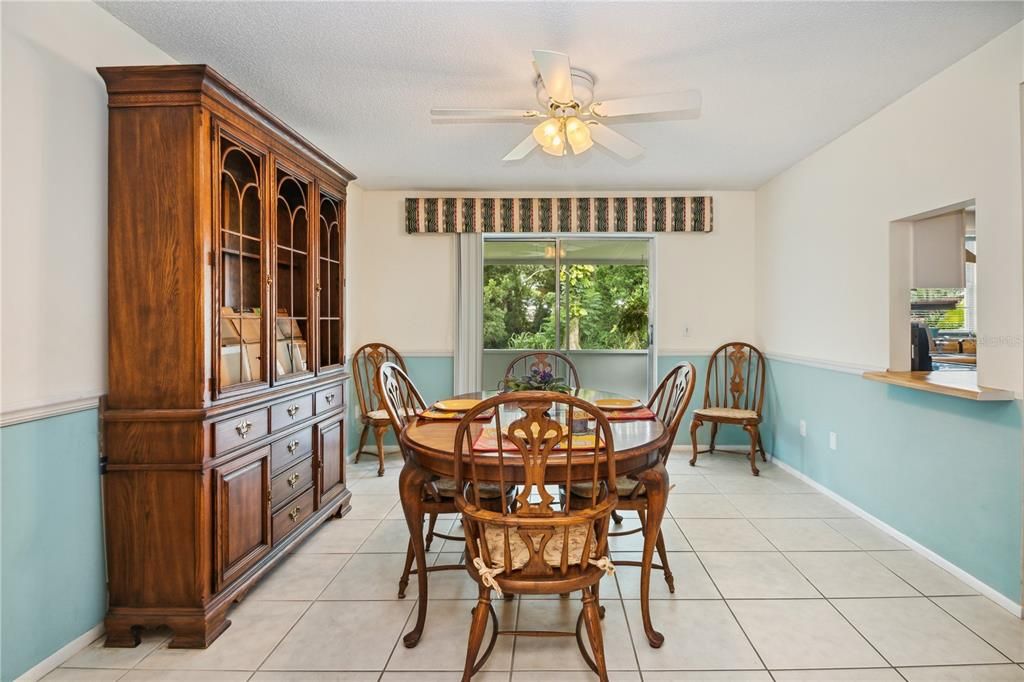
point(270, 496)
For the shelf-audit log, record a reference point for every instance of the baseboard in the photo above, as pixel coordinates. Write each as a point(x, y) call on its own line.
point(983, 588)
point(371, 453)
point(57, 658)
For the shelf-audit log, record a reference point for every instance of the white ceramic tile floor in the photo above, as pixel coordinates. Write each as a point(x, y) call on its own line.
point(813, 594)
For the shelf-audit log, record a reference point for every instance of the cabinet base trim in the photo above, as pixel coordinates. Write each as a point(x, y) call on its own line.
point(198, 627)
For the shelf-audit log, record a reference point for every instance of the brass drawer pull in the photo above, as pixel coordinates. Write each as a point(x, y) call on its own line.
point(293, 480)
point(329, 398)
point(294, 513)
point(293, 446)
point(242, 428)
point(293, 410)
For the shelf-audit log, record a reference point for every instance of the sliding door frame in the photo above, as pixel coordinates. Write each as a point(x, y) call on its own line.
point(557, 238)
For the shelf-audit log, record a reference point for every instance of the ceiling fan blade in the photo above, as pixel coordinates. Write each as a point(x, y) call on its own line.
point(521, 149)
point(686, 103)
point(553, 68)
point(484, 114)
point(613, 141)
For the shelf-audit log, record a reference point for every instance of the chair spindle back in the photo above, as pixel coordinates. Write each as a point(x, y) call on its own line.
point(736, 377)
point(366, 362)
point(670, 400)
point(537, 435)
point(401, 399)
point(558, 364)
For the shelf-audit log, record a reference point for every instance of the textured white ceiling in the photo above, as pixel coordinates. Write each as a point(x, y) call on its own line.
point(779, 79)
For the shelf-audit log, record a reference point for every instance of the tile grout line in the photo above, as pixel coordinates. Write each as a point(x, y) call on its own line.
point(731, 612)
point(401, 635)
point(515, 638)
point(310, 605)
point(920, 594)
point(621, 600)
point(969, 628)
point(827, 601)
point(625, 615)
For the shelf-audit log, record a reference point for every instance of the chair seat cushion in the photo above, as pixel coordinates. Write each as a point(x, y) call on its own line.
point(624, 484)
point(383, 414)
point(495, 537)
point(446, 488)
point(725, 412)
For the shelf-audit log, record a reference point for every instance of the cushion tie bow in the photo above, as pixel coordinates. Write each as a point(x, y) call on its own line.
point(487, 575)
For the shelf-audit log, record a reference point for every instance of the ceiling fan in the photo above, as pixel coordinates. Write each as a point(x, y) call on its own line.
point(570, 116)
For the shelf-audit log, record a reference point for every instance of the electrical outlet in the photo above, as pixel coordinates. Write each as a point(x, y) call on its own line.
point(803, 428)
point(832, 440)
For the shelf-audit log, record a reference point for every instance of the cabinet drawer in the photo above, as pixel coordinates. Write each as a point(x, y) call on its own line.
point(231, 433)
point(291, 411)
point(329, 399)
point(287, 451)
point(292, 480)
point(293, 514)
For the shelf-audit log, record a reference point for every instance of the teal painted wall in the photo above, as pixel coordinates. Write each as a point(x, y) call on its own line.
point(433, 376)
point(731, 436)
point(944, 471)
point(52, 571)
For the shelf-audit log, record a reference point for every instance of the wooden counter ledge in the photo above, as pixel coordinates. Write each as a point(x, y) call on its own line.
point(959, 384)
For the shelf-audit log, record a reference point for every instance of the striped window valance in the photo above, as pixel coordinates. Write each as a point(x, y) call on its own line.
point(563, 214)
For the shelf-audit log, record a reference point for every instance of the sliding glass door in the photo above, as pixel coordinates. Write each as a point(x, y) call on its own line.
point(589, 297)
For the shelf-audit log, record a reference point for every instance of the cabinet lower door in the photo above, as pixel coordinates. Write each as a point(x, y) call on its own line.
point(330, 458)
point(242, 514)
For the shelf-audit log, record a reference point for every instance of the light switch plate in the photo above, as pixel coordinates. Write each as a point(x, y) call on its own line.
point(832, 440)
point(803, 428)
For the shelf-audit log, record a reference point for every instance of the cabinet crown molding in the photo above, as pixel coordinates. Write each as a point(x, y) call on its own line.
point(191, 84)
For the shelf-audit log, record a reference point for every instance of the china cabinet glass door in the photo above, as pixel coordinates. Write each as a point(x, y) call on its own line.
point(241, 345)
point(329, 282)
point(291, 328)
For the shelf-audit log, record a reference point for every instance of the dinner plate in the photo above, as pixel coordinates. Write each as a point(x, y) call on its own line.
point(618, 403)
point(457, 405)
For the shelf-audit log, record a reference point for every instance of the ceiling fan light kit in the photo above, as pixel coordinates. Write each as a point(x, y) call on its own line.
point(553, 134)
point(573, 117)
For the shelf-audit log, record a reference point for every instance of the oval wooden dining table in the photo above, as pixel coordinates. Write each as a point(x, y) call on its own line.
point(429, 448)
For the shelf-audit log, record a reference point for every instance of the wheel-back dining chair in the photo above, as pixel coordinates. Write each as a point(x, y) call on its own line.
point(733, 394)
point(540, 361)
point(668, 402)
point(536, 546)
point(366, 362)
point(403, 403)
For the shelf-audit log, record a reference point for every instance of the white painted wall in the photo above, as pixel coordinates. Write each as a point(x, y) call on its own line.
point(823, 226)
point(353, 215)
point(706, 282)
point(53, 249)
point(402, 287)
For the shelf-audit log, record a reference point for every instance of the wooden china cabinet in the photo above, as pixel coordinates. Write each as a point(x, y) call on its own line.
point(224, 424)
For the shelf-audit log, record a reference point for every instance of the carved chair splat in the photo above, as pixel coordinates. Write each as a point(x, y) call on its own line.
point(366, 362)
point(536, 546)
point(559, 364)
point(733, 394)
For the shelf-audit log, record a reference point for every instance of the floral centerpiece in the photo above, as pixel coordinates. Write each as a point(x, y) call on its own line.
point(537, 380)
